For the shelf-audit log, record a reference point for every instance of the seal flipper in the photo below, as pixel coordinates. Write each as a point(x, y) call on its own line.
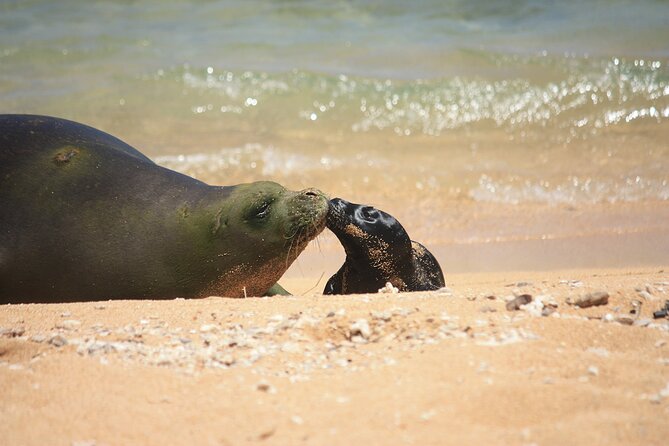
point(277, 290)
point(334, 285)
point(428, 275)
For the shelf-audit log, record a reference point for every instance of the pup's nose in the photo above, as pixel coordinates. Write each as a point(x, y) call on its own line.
point(338, 203)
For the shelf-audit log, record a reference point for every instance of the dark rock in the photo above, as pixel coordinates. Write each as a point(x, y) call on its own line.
point(514, 305)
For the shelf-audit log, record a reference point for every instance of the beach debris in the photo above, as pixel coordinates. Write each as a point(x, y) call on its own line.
point(644, 322)
point(659, 396)
point(599, 351)
point(593, 370)
point(69, 324)
point(389, 289)
point(13, 332)
point(384, 316)
point(663, 312)
point(427, 416)
point(540, 306)
point(636, 307)
point(572, 283)
point(264, 386)
point(517, 302)
point(624, 320)
point(590, 299)
point(646, 295)
point(487, 309)
point(208, 328)
point(360, 329)
point(264, 435)
point(297, 420)
point(39, 338)
point(509, 337)
point(660, 343)
point(58, 341)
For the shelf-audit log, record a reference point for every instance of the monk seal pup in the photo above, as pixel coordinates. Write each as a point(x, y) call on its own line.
point(378, 250)
point(85, 216)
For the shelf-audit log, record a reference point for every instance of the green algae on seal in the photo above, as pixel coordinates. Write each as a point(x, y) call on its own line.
point(84, 216)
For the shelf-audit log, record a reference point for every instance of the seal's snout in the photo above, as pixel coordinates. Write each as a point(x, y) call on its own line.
point(336, 218)
point(338, 204)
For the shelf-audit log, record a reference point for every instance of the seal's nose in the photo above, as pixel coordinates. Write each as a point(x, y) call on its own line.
point(338, 203)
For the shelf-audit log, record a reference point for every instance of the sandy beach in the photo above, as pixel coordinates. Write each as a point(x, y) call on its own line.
point(449, 367)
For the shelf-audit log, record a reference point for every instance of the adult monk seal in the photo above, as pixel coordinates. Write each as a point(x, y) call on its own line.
point(84, 216)
point(378, 250)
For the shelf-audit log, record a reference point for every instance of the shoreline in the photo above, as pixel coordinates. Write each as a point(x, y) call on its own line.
point(450, 367)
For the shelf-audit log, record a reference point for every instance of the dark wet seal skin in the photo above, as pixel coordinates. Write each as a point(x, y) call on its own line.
point(378, 250)
point(85, 216)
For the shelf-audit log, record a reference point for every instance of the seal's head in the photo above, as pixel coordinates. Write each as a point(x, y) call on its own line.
point(368, 234)
point(378, 251)
point(268, 226)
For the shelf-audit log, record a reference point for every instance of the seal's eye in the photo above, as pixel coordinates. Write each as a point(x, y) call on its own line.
point(369, 214)
point(262, 211)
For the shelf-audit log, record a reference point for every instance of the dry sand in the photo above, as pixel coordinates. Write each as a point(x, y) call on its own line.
point(450, 367)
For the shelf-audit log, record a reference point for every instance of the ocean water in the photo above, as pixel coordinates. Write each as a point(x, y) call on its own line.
point(426, 103)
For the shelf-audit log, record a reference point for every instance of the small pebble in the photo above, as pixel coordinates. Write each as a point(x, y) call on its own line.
point(590, 299)
point(625, 320)
point(266, 387)
point(38, 338)
point(207, 328)
point(516, 303)
point(12, 332)
point(297, 419)
point(389, 289)
point(593, 370)
point(361, 328)
point(426, 416)
point(384, 316)
point(228, 359)
point(58, 341)
point(604, 353)
point(69, 324)
point(646, 295)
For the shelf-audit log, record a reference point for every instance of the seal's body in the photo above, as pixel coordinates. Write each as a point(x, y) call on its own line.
point(378, 250)
point(84, 216)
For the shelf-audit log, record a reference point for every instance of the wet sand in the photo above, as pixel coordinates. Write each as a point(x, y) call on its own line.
point(449, 367)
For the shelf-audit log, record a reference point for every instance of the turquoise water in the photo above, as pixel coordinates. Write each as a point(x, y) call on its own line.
point(504, 101)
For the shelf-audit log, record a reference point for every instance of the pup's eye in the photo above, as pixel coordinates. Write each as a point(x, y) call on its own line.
point(368, 213)
point(263, 210)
